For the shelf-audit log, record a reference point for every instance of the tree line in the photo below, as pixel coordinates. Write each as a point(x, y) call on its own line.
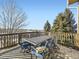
point(64, 22)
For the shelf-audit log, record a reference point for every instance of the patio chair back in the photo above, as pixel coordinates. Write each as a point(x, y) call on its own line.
point(25, 45)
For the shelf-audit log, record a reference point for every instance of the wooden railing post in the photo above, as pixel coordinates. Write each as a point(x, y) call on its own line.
point(29, 35)
point(19, 38)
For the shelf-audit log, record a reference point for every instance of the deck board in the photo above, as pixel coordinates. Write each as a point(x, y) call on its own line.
point(16, 54)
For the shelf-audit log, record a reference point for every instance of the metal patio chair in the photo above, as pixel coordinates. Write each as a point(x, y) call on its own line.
point(25, 47)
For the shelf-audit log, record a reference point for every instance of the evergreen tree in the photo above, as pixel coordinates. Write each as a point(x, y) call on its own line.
point(47, 26)
point(58, 23)
point(70, 21)
point(64, 22)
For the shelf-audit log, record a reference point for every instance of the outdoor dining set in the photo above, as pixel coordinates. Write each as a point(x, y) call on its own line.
point(41, 46)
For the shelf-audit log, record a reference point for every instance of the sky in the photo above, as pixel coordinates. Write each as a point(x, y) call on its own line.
point(39, 11)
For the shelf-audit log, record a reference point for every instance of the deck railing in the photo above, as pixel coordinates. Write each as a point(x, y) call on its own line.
point(9, 40)
point(68, 39)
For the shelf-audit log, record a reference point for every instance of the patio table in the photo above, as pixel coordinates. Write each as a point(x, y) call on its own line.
point(35, 43)
point(37, 40)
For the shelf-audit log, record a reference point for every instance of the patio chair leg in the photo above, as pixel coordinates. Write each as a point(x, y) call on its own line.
point(31, 56)
point(43, 57)
point(36, 57)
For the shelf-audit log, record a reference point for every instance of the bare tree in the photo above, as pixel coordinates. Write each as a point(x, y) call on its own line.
point(11, 18)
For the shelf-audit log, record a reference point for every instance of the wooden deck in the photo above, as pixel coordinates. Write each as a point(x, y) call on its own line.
point(17, 54)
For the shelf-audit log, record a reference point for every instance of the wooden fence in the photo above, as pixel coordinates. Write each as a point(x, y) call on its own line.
point(68, 39)
point(9, 40)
